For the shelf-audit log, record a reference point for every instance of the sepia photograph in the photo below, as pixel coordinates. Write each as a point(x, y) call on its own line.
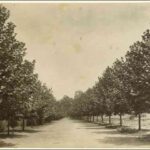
point(74, 74)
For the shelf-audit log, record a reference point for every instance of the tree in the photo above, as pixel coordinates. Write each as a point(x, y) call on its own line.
point(91, 101)
point(25, 79)
point(99, 92)
point(65, 105)
point(107, 82)
point(43, 101)
point(121, 105)
point(138, 71)
point(21, 93)
point(11, 56)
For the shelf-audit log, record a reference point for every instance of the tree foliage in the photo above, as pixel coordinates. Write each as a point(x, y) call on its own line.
point(123, 88)
point(21, 92)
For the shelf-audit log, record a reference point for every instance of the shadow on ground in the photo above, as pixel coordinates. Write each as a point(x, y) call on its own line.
point(145, 139)
point(114, 137)
point(3, 136)
point(115, 131)
point(27, 131)
point(3, 144)
point(90, 128)
point(17, 133)
point(132, 140)
point(109, 132)
point(121, 141)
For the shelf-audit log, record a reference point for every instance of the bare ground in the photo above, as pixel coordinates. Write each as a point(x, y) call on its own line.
point(68, 133)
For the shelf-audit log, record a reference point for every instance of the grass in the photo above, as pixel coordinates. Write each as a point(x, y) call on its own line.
point(3, 144)
point(111, 126)
point(103, 124)
point(128, 121)
point(127, 130)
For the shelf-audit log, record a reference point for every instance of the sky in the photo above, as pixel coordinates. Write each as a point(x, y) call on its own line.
point(73, 43)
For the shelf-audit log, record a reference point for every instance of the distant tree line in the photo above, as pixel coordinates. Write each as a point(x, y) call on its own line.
point(22, 95)
point(123, 88)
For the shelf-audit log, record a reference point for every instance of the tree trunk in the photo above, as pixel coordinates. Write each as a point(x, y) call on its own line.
point(23, 124)
point(93, 118)
point(90, 118)
point(139, 121)
point(87, 118)
point(102, 118)
point(13, 131)
point(109, 119)
point(8, 127)
point(97, 118)
point(120, 119)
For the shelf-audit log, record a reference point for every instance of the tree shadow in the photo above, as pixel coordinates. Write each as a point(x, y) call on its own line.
point(90, 128)
point(79, 121)
point(4, 144)
point(96, 126)
point(86, 123)
point(145, 138)
point(132, 131)
point(27, 131)
point(103, 124)
point(122, 141)
point(114, 131)
point(109, 132)
point(13, 134)
point(4, 136)
point(130, 141)
point(135, 139)
point(112, 126)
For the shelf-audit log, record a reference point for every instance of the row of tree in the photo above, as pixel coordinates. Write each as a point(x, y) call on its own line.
point(124, 87)
point(22, 95)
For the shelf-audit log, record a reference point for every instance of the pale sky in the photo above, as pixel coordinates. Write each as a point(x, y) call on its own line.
point(74, 43)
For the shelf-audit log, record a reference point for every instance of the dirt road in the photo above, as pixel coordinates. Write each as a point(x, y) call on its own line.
point(67, 133)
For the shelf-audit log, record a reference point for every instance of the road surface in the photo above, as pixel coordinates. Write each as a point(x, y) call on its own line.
point(68, 133)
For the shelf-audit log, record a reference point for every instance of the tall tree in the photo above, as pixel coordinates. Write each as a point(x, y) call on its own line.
point(99, 92)
point(11, 56)
point(108, 89)
point(121, 105)
point(65, 105)
point(25, 79)
point(138, 71)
